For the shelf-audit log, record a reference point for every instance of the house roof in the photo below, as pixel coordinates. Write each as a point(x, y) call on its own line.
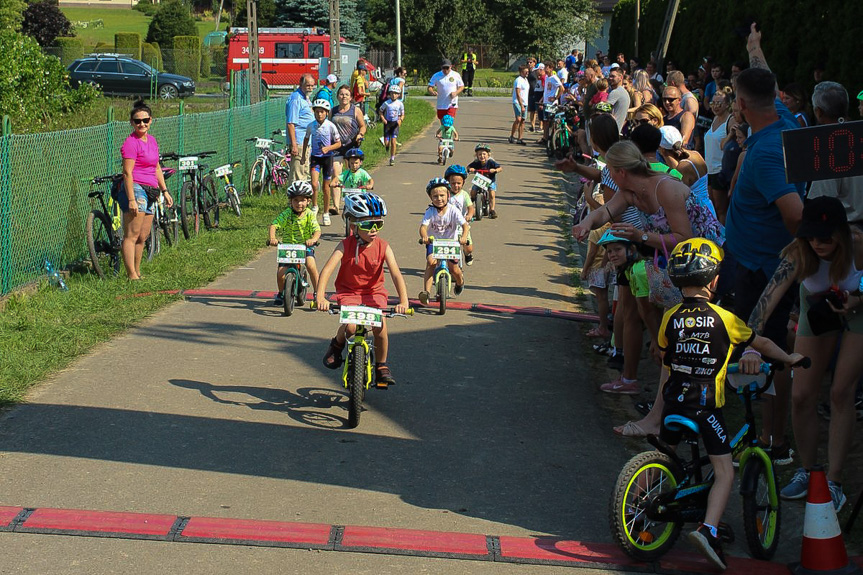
point(606, 6)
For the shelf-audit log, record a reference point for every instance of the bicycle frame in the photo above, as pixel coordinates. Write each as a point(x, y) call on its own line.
point(359, 338)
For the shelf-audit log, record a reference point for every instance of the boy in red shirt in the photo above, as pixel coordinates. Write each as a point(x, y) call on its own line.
point(360, 280)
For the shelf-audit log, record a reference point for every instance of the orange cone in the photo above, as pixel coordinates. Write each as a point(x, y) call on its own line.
point(823, 551)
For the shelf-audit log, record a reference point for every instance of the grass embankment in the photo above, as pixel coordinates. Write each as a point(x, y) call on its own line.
point(43, 331)
point(116, 20)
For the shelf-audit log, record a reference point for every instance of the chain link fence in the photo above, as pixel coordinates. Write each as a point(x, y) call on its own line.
point(44, 178)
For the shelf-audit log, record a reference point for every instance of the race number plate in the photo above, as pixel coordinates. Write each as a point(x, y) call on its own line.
point(361, 315)
point(263, 143)
point(292, 254)
point(346, 191)
point(446, 249)
point(188, 163)
point(481, 182)
point(223, 171)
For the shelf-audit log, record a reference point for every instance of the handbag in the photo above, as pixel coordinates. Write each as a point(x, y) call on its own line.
point(663, 293)
point(152, 193)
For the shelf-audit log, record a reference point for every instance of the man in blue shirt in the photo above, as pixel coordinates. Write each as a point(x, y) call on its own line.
point(762, 219)
point(298, 115)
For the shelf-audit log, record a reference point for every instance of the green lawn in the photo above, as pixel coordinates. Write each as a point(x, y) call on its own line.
point(117, 20)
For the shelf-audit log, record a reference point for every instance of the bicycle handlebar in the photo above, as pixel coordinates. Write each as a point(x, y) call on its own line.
point(388, 312)
point(103, 179)
point(770, 369)
point(175, 156)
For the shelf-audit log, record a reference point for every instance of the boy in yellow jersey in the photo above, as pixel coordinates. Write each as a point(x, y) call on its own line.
point(298, 225)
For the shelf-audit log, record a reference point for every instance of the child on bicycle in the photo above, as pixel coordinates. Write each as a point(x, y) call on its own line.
point(446, 132)
point(324, 138)
point(392, 113)
point(485, 165)
point(356, 177)
point(456, 176)
point(360, 258)
point(441, 220)
point(696, 339)
point(299, 226)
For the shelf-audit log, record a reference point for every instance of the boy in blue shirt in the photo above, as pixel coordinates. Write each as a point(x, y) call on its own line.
point(324, 137)
point(392, 113)
point(485, 165)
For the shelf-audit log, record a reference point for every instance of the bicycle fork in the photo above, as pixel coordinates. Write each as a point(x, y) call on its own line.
point(359, 338)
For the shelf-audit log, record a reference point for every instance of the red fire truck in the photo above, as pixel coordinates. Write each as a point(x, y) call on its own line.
point(287, 53)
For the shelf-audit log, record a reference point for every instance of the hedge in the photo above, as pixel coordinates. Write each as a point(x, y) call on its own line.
point(797, 35)
point(219, 57)
point(70, 49)
point(103, 48)
point(128, 43)
point(150, 54)
point(206, 63)
point(187, 56)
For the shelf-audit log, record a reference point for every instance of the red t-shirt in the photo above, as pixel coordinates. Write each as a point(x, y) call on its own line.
point(362, 271)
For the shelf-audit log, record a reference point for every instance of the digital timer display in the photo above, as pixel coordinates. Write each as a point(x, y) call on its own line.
point(823, 152)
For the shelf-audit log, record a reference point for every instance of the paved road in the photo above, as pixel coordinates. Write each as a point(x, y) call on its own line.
point(220, 407)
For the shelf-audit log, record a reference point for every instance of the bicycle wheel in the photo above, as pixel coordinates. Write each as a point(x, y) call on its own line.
point(256, 177)
point(356, 383)
point(760, 517)
point(445, 155)
point(209, 203)
point(301, 291)
point(170, 225)
point(102, 244)
point(290, 294)
point(233, 199)
point(152, 245)
point(442, 286)
point(478, 212)
point(644, 477)
point(188, 210)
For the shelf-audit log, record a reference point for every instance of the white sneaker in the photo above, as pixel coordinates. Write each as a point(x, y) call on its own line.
point(381, 140)
point(327, 220)
point(315, 211)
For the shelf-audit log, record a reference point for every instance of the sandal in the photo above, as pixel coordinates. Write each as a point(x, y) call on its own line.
point(383, 377)
point(630, 429)
point(596, 333)
point(334, 211)
point(333, 358)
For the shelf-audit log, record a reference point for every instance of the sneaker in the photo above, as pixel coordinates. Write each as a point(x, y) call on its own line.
point(799, 486)
point(615, 362)
point(531, 129)
point(392, 161)
point(315, 211)
point(782, 455)
point(836, 495)
point(381, 140)
point(327, 221)
point(383, 377)
point(511, 140)
point(492, 214)
point(618, 386)
point(458, 289)
point(468, 259)
point(424, 297)
point(521, 142)
point(279, 301)
point(708, 545)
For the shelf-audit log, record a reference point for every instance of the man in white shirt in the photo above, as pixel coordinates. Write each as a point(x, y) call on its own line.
point(520, 92)
point(446, 85)
point(552, 91)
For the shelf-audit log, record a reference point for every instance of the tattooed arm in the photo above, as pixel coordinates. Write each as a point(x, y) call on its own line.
point(756, 54)
point(776, 288)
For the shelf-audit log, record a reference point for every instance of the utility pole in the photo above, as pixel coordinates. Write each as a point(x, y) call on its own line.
point(665, 36)
point(398, 34)
point(254, 55)
point(637, 23)
point(335, 39)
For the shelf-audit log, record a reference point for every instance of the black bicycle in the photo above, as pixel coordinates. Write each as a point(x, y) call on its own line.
point(104, 226)
point(198, 198)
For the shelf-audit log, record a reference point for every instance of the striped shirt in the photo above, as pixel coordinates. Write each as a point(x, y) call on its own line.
point(631, 215)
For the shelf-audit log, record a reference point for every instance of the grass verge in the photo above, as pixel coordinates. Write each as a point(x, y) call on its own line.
point(116, 20)
point(43, 331)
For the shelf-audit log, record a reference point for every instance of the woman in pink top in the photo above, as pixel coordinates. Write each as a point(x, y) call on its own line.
point(141, 170)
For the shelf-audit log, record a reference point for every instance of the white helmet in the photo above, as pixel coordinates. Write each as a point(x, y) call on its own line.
point(365, 204)
point(300, 188)
point(321, 103)
point(395, 89)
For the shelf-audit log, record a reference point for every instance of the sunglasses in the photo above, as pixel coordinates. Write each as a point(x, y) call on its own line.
point(139, 121)
point(370, 225)
point(639, 121)
point(670, 100)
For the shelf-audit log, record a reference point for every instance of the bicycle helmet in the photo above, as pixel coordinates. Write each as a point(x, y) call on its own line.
point(300, 188)
point(447, 121)
point(437, 183)
point(482, 146)
point(860, 95)
point(609, 238)
point(604, 107)
point(354, 153)
point(321, 103)
point(694, 263)
point(455, 170)
point(394, 89)
point(365, 204)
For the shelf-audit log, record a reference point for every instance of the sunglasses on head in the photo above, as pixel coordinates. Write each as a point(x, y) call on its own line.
point(139, 121)
point(370, 225)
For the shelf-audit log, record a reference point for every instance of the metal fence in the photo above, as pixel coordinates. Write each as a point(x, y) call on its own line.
point(44, 178)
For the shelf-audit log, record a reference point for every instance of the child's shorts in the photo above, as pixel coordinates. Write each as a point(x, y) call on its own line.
point(376, 300)
point(391, 130)
point(598, 277)
point(322, 164)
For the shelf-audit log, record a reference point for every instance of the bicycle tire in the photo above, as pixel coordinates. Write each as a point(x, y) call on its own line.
point(233, 200)
point(152, 245)
point(104, 250)
point(256, 178)
point(442, 293)
point(445, 155)
point(209, 203)
point(188, 209)
point(289, 295)
point(170, 224)
point(356, 383)
point(643, 540)
point(301, 292)
point(761, 521)
point(477, 214)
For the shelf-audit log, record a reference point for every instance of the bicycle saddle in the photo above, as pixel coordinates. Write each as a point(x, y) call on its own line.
point(678, 422)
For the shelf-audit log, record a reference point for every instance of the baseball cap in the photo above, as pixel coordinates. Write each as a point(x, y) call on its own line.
point(445, 63)
point(613, 66)
point(332, 79)
point(821, 217)
point(540, 66)
point(670, 136)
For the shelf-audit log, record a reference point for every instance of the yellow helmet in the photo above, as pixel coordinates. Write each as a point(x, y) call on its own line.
point(694, 262)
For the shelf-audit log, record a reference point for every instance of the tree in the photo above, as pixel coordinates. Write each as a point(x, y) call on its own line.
point(541, 26)
point(266, 14)
point(11, 14)
point(44, 21)
point(172, 19)
point(316, 13)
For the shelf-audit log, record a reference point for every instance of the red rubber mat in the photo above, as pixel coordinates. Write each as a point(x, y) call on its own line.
point(96, 522)
point(551, 550)
point(422, 542)
point(223, 530)
point(7, 514)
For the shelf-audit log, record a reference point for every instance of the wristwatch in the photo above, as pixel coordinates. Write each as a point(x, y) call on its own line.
point(644, 238)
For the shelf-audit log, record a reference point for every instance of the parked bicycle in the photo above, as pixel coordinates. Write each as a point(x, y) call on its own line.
point(270, 168)
point(166, 223)
point(104, 227)
point(658, 491)
point(198, 199)
point(231, 197)
point(357, 374)
point(560, 138)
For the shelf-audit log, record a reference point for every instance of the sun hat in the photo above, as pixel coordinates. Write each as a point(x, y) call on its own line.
point(670, 137)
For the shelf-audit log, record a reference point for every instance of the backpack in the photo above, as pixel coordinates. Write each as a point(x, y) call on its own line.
point(383, 95)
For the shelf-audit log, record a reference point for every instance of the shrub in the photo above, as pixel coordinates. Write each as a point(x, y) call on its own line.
point(187, 56)
point(151, 55)
point(128, 43)
point(70, 49)
point(206, 63)
point(11, 14)
point(219, 57)
point(103, 48)
point(172, 19)
point(44, 21)
point(146, 6)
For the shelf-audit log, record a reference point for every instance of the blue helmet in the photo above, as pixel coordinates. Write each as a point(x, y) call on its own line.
point(437, 183)
point(455, 170)
point(609, 238)
point(354, 153)
point(365, 204)
point(446, 121)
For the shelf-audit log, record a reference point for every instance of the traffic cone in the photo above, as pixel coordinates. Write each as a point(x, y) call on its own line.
point(823, 549)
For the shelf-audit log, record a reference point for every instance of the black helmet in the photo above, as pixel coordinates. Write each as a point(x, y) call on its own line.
point(694, 263)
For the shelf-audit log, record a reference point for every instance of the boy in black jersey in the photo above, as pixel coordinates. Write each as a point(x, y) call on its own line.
point(696, 339)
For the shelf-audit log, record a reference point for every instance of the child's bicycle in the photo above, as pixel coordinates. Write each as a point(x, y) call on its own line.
point(104, 226)
point(345, 192)
point(358, 372)
point(296, 276)
point(560, 136)
point(444, 251)
point(271, 167)
point(447, 149)
point(480, 186)
point(232, 197)
point(658, 491)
